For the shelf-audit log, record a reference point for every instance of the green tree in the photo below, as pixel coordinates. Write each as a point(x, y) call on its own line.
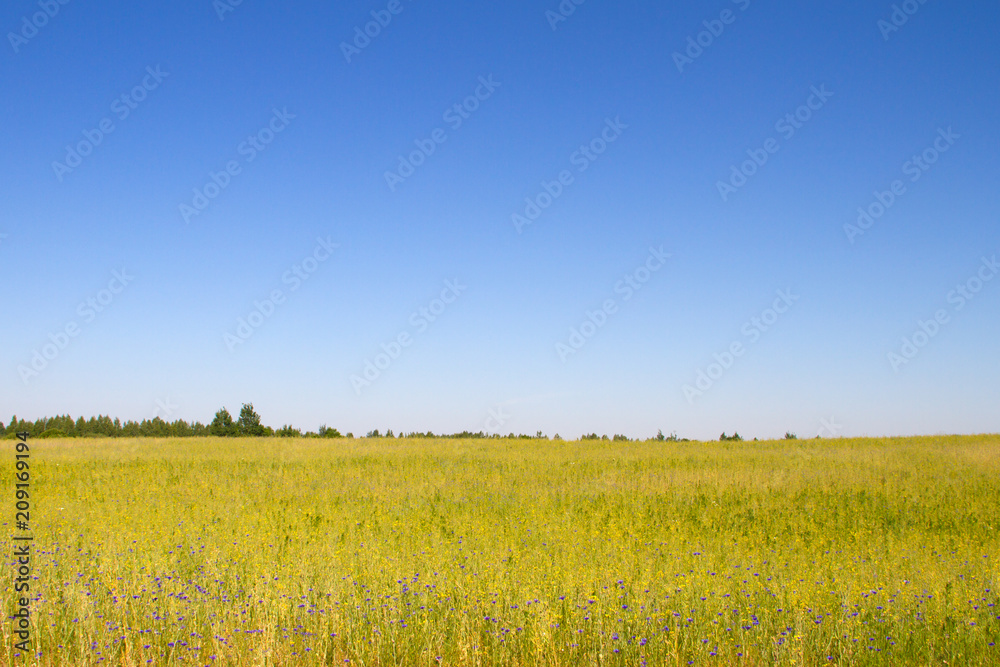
point(180, 429)
point(155, 428)
point(249, 422)
point(223, 424)
point(326, 432)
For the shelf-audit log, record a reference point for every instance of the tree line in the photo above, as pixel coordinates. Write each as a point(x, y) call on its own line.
point(248, 424)
point(104, 426)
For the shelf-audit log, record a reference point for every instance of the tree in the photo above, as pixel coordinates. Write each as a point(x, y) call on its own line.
point(325, 432)
point(223, 425)
point(180, 429)
point(790, 436)
point(249, 422)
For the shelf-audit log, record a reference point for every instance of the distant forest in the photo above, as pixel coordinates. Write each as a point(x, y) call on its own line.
point(247, 425)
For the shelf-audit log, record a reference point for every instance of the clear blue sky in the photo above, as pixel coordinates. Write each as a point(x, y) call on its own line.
point(309, 130)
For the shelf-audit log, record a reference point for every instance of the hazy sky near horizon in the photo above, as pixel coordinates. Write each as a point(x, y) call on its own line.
point(512, 217)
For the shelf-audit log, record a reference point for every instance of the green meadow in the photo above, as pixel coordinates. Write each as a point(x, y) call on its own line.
point(243, 551)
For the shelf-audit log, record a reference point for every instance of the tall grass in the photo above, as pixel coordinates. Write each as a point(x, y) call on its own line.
point(425, 552)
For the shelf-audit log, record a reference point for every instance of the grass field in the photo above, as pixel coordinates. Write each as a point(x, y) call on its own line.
point(514, 552)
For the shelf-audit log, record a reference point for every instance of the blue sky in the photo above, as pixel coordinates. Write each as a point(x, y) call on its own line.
point(308, 129)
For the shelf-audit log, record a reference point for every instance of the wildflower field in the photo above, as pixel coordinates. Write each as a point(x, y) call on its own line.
point(223, 551)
